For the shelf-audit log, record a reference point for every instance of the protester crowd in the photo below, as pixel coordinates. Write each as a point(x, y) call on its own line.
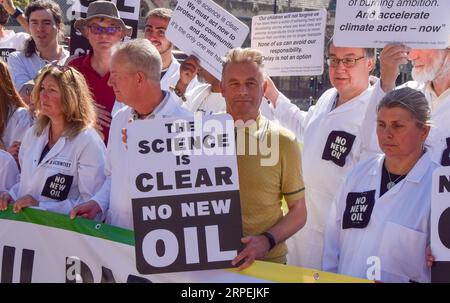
point(360, 186)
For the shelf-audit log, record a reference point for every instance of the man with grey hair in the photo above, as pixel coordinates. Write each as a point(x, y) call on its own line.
point(262, 185)
point(135, 71)
point(431, 75)
point(333, 137)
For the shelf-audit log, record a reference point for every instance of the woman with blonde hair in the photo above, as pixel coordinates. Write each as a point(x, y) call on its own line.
point(14, 116)
point(62, 156)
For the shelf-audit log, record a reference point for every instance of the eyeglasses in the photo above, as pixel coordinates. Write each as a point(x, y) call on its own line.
point(348, 62)
point(98, 30)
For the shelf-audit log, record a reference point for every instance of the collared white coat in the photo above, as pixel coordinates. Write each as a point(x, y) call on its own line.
point(9, 172)
point(116, 189)
point(398, 231)
point(440, 113)
point(323, 177)
point(16, 127)
point(81, 159)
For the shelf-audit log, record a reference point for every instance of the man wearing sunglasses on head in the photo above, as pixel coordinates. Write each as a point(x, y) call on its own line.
point(332, 133)
point(103, 28)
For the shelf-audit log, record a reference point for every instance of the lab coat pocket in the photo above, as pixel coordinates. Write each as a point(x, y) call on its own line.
point(402, 252)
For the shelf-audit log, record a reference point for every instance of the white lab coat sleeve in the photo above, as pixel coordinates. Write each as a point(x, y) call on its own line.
point(369, 144)
point(290, 116)
point(330, 258)
point(9, 172)
point(14, 190)
point(21, 122)
point(24, 147)
point(91, 167)
point(18, 71)
point(102, 196)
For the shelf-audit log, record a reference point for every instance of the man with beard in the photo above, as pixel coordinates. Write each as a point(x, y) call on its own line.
point(172, 78)
point(9, 40)
point(431, 74)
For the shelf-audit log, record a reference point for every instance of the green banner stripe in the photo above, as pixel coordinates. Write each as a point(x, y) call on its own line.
point(78, 225)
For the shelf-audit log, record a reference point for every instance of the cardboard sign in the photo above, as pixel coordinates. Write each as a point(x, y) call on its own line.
point(185, 193)
point(292, 43)
point(375, 23)
point(440, 225)
point(128, 11)
point(206, 30)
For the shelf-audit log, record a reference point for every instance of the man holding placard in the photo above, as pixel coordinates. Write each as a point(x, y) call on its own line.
point(135, 78)
point(262, 184)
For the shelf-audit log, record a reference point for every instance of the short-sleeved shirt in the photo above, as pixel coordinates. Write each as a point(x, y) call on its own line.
point(102, 93)
point(265, 180)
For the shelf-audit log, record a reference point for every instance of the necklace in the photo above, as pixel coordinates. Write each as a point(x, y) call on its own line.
point(392, 183)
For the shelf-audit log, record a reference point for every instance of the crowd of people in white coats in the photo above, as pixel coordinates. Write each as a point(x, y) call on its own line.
point(359, 186)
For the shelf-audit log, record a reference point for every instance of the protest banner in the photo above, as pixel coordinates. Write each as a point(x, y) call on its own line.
point(185, 193)
point(206, 30)
point(292, 43)
point(44, 247)
point(375, 23)
point(128, 11)
point(440, 225)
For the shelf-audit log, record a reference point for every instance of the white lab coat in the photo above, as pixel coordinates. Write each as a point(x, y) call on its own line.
point(71, 172)
point(323, 177)
point(12, 42)
point(18, 124)
point(9, 172)
point(116, 189)
point(397, 233)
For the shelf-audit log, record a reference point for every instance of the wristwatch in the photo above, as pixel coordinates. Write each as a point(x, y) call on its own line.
point(17, 13)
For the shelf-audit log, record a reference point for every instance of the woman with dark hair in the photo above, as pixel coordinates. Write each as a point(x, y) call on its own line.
point(14, 116)
point(62, 156)
point(46, 27)
point(379, 225)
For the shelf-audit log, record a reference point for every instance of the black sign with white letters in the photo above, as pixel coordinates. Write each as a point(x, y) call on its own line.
point(57, 187)
point(4, 53)
point(338, 146)
point(358, 209)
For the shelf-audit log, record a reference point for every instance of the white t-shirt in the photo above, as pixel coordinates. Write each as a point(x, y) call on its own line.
point(12, 42)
